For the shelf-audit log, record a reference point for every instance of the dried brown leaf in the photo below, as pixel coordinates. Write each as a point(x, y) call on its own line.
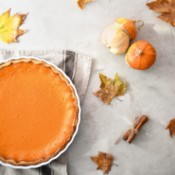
point(171, 127)
point(166, 8)
point(104, 161)
point(110, 88)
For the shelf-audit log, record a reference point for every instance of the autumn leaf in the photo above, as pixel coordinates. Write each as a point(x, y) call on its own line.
point(110, 88)
point(104, 161)
point(171, 127)
point(166, 8)
point(81, 3)
point(9, 26)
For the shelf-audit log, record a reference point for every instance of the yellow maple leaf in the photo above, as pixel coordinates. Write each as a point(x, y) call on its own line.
point(9, 26)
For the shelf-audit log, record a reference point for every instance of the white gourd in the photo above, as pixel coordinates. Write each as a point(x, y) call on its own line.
point(115, 39)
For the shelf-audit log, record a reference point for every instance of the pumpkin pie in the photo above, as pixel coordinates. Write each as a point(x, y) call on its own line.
point(38, 111)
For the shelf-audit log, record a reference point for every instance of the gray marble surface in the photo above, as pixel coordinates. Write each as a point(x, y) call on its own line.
point(60, 24)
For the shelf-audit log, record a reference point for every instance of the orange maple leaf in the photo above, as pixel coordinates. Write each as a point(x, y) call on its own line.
point(81, 3)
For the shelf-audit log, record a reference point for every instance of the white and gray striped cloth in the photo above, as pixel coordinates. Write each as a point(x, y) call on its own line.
point(78, 68)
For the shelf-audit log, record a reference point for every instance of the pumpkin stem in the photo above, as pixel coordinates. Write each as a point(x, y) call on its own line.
point(139, 52)
point(141, 24)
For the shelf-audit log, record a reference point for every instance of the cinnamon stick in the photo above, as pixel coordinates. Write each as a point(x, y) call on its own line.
point(132, 132)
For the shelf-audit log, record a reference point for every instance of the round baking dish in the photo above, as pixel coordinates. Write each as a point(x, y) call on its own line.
point(53, 67)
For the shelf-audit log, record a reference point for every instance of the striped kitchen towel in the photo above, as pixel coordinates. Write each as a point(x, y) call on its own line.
point(78, 68)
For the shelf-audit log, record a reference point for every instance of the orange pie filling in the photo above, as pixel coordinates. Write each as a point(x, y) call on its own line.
point(38, 112)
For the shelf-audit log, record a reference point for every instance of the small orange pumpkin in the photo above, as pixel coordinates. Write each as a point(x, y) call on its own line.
point(129, 26)
point(141, 55)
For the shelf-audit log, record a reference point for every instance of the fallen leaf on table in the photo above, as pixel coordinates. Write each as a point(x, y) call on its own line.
point(81, 3)
point(166, 8)
point(104, 161)
point(9, 26)
point(171, 127)
point(110, 88)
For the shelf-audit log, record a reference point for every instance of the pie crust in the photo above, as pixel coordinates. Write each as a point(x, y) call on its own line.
point(39, 111)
